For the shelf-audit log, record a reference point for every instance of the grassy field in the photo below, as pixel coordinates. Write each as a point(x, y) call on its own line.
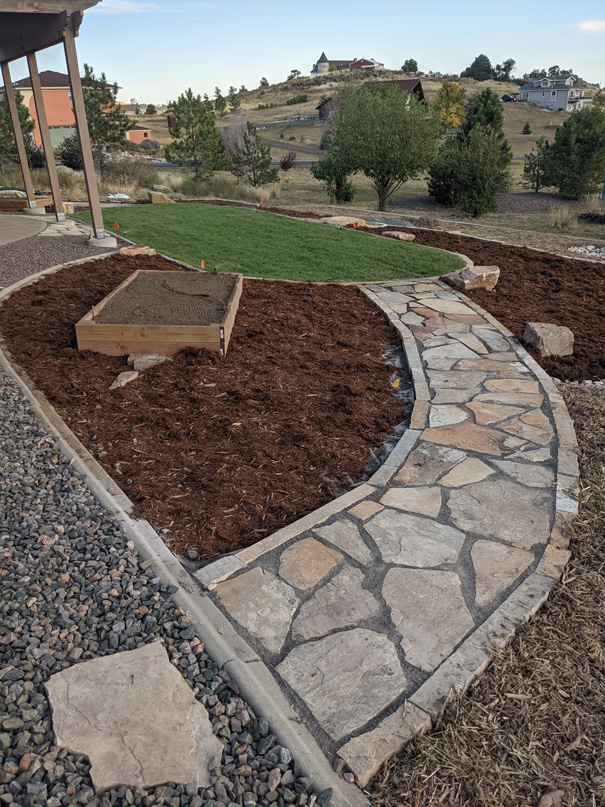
point(265, 245)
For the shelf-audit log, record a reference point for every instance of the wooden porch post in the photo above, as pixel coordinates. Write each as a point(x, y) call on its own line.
point(45, 136)
point(23, 163)
point(77, 98)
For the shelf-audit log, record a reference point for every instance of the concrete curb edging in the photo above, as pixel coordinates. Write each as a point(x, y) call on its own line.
point(224, 645)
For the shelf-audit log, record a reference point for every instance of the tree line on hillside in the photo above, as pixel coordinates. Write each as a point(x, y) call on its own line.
point(387, 135)
point(391, 138)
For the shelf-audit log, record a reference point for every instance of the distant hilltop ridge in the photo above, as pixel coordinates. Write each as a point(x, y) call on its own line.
point(324, 65)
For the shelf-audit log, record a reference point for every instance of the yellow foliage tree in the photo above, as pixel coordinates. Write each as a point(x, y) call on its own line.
point(450, 103)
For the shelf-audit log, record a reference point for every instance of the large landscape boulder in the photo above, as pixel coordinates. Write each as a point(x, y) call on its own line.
point(476, 277)
point(549, 340)
point(160, 198)
point(343, 221)
point(138, 249)
point(399, 235)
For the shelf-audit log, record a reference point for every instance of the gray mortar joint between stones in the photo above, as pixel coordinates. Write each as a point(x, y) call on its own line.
point(364, 745)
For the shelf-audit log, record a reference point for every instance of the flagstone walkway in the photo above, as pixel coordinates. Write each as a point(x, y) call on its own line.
point(373, 608)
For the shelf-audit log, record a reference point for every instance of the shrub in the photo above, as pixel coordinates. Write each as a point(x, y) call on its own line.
point(526, 129)
point(266, 106)
point(129, 171)
point(219, 187)
point(291, 137)
point(563, 218)
point(69, 153)
point(287, 161)
point(297, 99)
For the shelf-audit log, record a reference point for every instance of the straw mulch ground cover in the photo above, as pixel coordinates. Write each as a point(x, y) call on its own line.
point(533, 726)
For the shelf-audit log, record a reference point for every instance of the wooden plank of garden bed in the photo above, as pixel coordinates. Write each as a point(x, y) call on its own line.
point(124, 348)
point(232, 306)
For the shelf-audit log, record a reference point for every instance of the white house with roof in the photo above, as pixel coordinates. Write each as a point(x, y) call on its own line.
point(555, 92)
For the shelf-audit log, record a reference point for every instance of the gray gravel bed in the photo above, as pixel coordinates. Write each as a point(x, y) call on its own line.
point(71, 589)
point(30, 255)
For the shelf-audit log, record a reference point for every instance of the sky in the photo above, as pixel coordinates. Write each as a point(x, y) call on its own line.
point(156, 49)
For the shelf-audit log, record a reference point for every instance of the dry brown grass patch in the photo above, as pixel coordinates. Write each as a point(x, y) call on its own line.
point(534, 723)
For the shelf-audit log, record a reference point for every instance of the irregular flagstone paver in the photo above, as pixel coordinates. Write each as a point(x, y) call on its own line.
point(514, 398)
point(414, 541)
point(429, 612)
point(307, 562)
point(342, 602)
point(438, 542)
point(345, 535)
point(470, 437)
point(540, 435)
point(426, 464)
point(535, 476)
point(261, 603)
point(516, 514)
point(511, 385)
point(446, 415)
point(424, 501)
point(455, 379)
point(364, 510)
point(365, 754)
point(346, 678)
point(446, 396)
point(467, 472)
point(496, 566)
point(492, 413)
point(508, 370)
point(101, 708)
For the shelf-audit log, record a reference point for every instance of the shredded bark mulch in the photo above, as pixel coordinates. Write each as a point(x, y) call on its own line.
point(539, 287)
point(219, 451)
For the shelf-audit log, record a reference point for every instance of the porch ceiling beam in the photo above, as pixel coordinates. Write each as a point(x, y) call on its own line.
point(22, 34)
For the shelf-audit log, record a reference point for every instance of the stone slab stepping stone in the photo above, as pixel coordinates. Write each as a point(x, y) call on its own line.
point(497, 566)
point(516, 514)
point(261, 603)
point(341, 603)
point(513, 398)
point(135, 718)
point(426, 464)
point(455, 379)
point(535, 476)
point(492, 413)
point(470, 437)
point(345, 535)
point(345, 679)
point(424, 501)
point(307, 562)
point(414, 541)
point(429, 611)
point(446, 415)
point(466, 473)
point(365, 754)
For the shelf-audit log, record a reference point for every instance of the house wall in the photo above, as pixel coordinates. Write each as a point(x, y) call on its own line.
point(138, 135)
point(58, 106)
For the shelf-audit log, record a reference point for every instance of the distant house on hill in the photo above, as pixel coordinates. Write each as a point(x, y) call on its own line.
point(325, 65)
point(366, 64)
point(413, 86)
point(138, 134)
point(555, 92)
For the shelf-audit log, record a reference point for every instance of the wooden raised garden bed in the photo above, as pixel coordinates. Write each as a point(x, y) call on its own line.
point(163, 312)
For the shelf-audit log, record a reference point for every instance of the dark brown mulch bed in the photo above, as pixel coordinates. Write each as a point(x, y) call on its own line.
point(539, 287)
point(221, 451)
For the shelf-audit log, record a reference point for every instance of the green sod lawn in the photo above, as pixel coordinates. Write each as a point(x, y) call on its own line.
point(263, 244)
